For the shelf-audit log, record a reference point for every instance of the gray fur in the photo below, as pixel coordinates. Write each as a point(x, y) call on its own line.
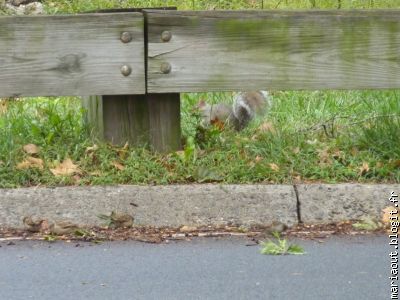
point(246, 106)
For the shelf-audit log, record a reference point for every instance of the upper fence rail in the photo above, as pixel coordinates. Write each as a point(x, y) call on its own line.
point(198, 51)
point(282, 50)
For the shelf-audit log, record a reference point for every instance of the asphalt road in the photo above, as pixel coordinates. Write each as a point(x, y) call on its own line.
point(339, 268)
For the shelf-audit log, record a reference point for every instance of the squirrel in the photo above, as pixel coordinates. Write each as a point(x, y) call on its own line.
point(246, 106)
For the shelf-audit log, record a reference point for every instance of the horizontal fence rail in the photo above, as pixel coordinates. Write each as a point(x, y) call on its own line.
point(197, 51)
point(249, 50)
point(72, 55)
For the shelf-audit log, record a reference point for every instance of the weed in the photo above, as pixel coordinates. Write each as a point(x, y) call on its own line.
point(280, 247)
point(367, 224)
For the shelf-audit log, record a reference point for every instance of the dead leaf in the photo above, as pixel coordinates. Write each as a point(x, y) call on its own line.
point(266, 127)
point(338, 155)
point(379, 164)
point(186, 229)
point(324, 156)
point(180, 154)
point(63, 227)
point(120, 220)
point(3, 106)
point(258, 158)
point(92, 149)
point(123, 152)
point(76, 178)
point(396, 163)
point(364, 169)
point(95, 173)
point(296, 150)
point(312, 142)
point(30, 162)
point(354, 151)
point(31, 149)
point(118, 166)
point(66, 168)
point(388, 214)
point(274, 167)
point(297, 179)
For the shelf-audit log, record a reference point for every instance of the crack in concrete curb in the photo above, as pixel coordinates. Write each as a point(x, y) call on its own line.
point(198, 205)
point(298, 204)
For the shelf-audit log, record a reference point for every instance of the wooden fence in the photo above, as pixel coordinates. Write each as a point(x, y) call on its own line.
point(140, 61)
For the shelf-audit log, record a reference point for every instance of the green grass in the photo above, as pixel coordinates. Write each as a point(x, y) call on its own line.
point(330, 136)
point(362, 127)
point(73, 6)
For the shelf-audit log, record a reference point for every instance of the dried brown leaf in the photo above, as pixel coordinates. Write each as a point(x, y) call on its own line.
point(92, 149)
point(118, 165)
point(95, 173)
point(266, 127)
point(337, 154)
point(3, 106)
point(66, 168)
point(296, 150)
point(364, 169)
point(76, 178)
point(354, 151)
point(274, 167)
point(31, 162)
point(258, 158)
point(324, 157)
point(388, 213)
point(31, 149)
point(396, 163)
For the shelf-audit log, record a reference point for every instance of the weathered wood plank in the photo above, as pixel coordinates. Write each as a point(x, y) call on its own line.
point(165, 122)
point(149, 119)
point(249, 50)
point(118, 118)
point(71, 55)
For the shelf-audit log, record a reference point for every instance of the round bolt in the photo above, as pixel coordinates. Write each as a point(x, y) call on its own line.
point(166, 36)
point(126, 37)
point(126, 70)
point(165, 68)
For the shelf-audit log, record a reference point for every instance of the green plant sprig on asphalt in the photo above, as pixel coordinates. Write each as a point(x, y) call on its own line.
point(280, 247)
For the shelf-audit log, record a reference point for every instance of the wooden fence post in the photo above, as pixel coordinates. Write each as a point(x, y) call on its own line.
point(118, 118)
point(150, 119)
point(165, 122)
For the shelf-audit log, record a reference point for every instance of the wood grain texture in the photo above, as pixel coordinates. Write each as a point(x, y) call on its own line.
point(118, 118)
point(165, 122)
point(71, 55)
point(281, 50)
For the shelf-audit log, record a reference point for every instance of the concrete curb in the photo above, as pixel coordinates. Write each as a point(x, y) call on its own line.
point(324, 203)
point(207, 204)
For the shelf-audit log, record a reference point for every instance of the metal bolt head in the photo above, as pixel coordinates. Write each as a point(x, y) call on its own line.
point(165, 68)
point(126, 37)
point(166, 36)
point(126, 70)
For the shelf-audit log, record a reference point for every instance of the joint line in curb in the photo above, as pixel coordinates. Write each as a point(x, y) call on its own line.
point(298, 204)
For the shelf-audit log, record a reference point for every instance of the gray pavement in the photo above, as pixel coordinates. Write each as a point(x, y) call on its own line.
point(338, 268)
